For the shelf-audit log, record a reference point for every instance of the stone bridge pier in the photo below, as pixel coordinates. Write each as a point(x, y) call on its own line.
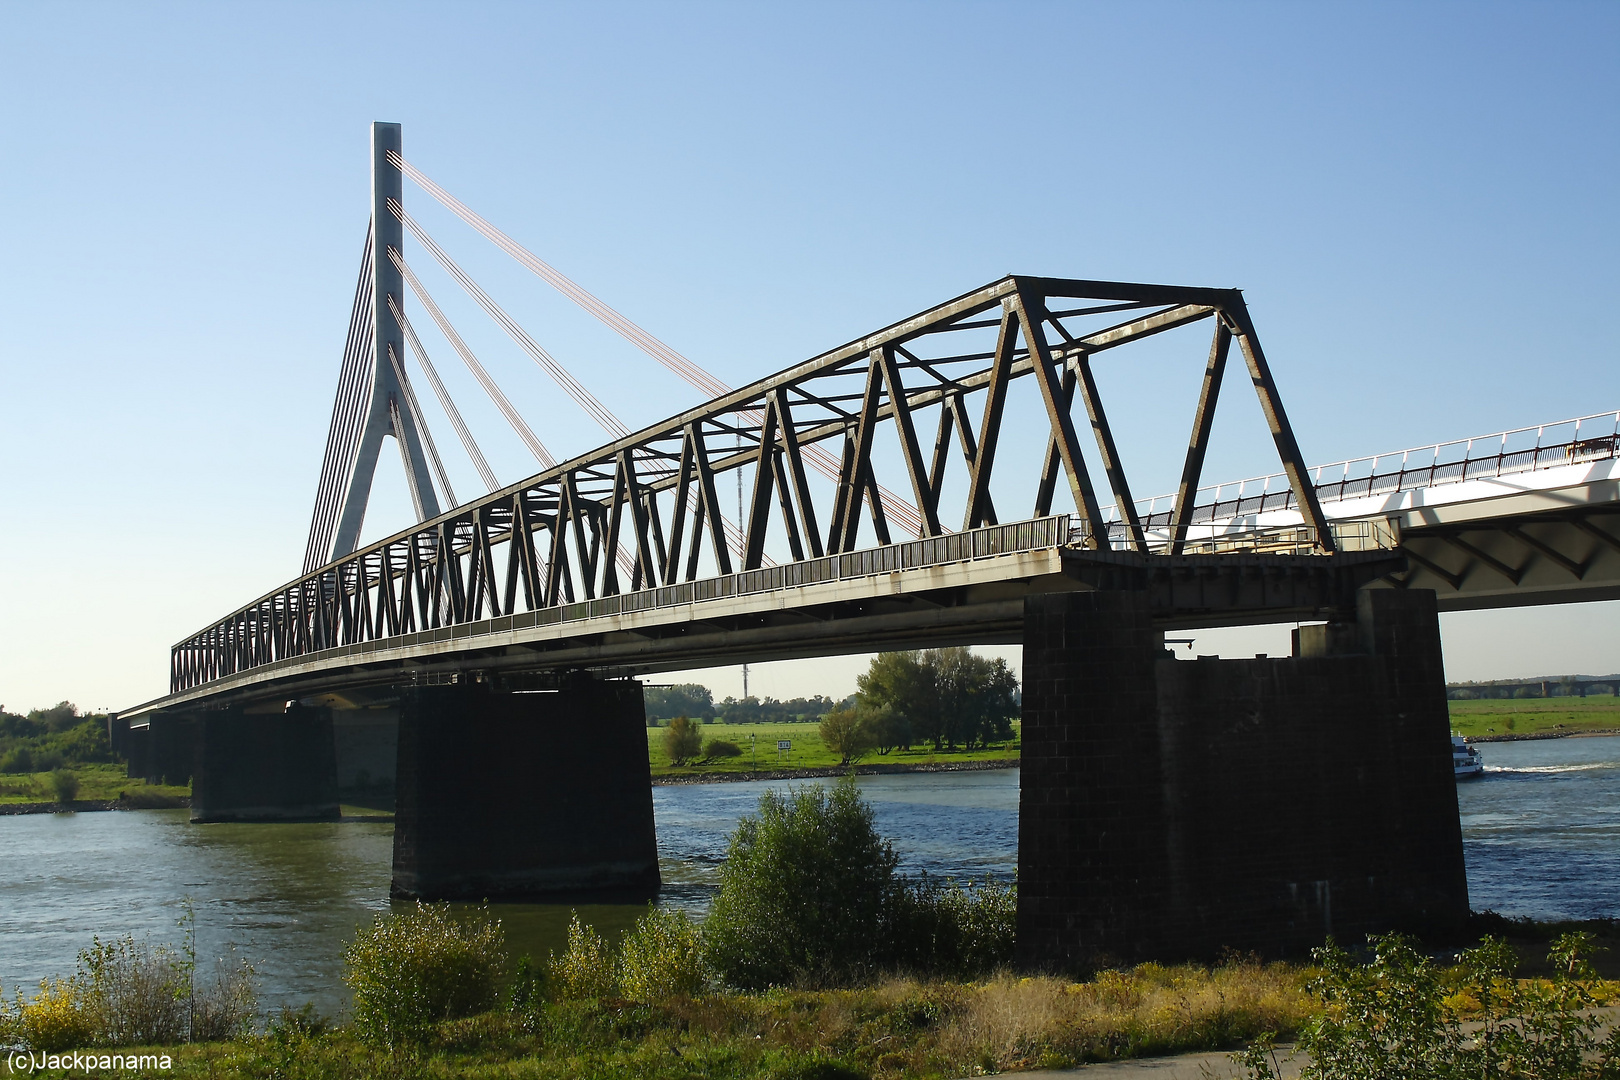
point(264, 764)
point(1173, 809)
point(513, 795)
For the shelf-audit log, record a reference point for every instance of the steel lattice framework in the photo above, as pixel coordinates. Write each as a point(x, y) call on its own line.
point(644, 512)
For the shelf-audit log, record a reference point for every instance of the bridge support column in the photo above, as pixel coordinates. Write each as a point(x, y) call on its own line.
point(137, 751)
point(277, 766)
point(1172, 809)
point(170, 744)
point(510, 795)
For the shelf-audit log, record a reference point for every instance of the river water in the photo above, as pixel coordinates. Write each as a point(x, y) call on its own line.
point(1541, 833)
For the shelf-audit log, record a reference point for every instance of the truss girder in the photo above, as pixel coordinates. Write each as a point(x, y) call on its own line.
point(644, 511)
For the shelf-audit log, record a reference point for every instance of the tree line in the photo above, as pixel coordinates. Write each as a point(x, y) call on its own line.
point(47, 739)
point(944, 697)
point(696, 702)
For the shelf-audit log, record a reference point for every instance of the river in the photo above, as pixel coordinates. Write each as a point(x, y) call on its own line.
point(1541, 833)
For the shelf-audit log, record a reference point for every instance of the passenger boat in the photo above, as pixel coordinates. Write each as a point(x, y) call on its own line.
point(1465, 760)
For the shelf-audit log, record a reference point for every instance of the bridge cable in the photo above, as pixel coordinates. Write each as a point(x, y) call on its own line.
point(536, 447)
point(468, 443)
point(821, 460)
point(421, 423)
point(348, 406)
point(560, 375)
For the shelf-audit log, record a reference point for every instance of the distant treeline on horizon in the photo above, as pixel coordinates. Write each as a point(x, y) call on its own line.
point(693, 700)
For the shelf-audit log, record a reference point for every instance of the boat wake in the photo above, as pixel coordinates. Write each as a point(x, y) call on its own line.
point(1535, 770)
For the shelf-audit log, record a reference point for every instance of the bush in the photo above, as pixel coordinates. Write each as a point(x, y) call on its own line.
point(19, 760)
point(586, 968)
point(225, 1009)
point(411, 970)
point(949, 930)
point(54, 1021)
point(65, 784)
point(663, 957)
point(715, 749)
point(1399, 1015)
point(135, 993)
point(802, 892)
point(682, 741)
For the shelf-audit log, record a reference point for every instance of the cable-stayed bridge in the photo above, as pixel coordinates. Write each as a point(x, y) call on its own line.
point(880, 504)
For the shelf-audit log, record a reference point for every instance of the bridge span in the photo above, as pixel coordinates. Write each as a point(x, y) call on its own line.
point(1169, 808)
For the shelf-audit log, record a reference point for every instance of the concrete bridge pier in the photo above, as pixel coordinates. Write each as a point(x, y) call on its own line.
point(265, 766)
point(160, 751)
point(1172, 809)
point(510, 795)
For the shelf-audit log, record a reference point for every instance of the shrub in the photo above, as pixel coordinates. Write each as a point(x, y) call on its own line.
point(946, 929)
point(682, 741)
point(135, 993)
point(1399, 1015)
point(19, 760)
point(55, 1020)
point(802, 891)
point(715, 749)
point(662, 957)
point(225, 1009)
point(65, 784)
point(586, 968)
point(411, 970)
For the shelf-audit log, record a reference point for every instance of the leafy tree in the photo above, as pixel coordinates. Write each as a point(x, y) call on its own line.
point(803, 890)
point(684, 699)
point(844, 732)
point(682, 741)
point(887, 728)
point(946, 696)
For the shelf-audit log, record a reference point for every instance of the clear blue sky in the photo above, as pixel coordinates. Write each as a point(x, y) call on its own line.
point(1419, 200)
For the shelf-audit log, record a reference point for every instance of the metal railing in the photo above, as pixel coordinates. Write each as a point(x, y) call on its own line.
point(1019, 536)
point(1377, 535)
point(1546, 446)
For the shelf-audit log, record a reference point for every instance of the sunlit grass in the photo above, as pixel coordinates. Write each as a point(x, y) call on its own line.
point(1531, 716)
point(807, 752)
point(97, 783)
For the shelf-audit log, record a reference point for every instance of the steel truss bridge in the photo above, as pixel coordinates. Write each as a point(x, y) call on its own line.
point(875, 515)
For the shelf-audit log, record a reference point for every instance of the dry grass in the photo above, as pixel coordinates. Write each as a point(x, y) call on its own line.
point(1018, 1023)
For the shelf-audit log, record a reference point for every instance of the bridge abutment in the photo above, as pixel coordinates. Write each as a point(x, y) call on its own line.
point(278, 766)
point(506, 795)
point(1172, 809)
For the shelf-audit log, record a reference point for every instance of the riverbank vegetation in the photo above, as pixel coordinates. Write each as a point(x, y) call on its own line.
point(912, 708)
point(818, 961)
point(96, 783)
point(808, 751)
point(1535, 716)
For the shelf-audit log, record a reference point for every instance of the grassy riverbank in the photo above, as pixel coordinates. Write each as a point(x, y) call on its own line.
point(97, 783)
point(1532, 716)
point(807, 753)
point(898, 1027)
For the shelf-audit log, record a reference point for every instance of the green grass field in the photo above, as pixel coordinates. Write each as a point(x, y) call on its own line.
point(97, 783)
point(807, 752)
point(1529, 716)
